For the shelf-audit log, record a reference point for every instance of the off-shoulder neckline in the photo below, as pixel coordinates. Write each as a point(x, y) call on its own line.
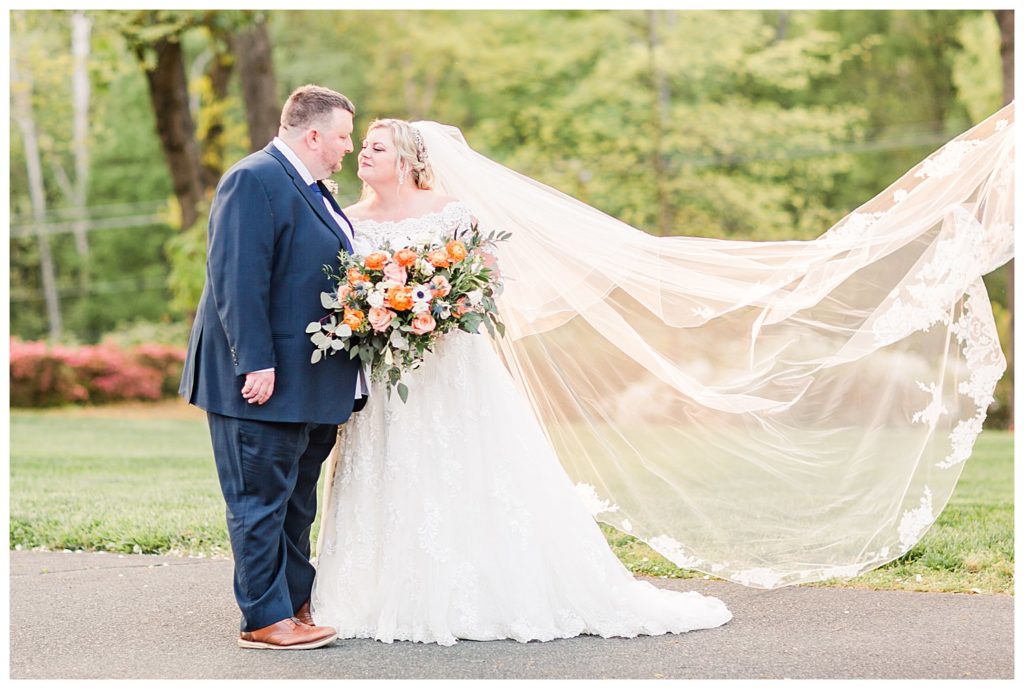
point(444, 208)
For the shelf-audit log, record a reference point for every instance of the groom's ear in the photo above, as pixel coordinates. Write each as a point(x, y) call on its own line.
point(313, 137)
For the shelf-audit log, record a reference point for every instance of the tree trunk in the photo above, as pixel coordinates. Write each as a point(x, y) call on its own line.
point(781, 26)
point(21, 88)
point(81, 26)
point(660, 116)
point(212, 144)
point(168, 92)
point(420, 89)
point(1005, 19)
point(251, 46)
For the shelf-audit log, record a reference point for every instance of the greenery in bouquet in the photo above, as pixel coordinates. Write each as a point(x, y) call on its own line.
point(391, 307)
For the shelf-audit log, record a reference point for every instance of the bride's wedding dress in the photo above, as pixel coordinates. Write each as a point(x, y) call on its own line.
point(450, 517)
point(770, 413)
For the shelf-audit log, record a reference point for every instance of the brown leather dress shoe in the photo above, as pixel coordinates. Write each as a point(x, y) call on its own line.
point(288, 635)
point(304, 616)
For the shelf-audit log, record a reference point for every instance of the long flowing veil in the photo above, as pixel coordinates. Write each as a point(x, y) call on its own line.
point(768, 412)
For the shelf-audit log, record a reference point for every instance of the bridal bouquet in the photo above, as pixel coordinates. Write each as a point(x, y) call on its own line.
point(391, 307)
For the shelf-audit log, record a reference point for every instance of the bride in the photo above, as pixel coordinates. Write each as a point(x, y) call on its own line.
point(449, 517)
point(767, 412)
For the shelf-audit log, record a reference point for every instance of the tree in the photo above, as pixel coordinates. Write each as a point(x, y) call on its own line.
point(252, 48)
point(1005, 19)
point(81, 26)
point(155, 38)
point(21, 87)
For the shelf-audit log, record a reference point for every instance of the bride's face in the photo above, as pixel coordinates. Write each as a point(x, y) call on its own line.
point(377, 158)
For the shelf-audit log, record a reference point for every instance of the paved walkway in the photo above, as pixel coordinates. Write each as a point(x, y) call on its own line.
point(98, 615)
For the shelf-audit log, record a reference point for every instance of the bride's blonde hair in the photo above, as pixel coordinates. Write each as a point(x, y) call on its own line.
point(409, 151)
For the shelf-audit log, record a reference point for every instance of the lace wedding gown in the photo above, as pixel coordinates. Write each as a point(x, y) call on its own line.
point(450, 517)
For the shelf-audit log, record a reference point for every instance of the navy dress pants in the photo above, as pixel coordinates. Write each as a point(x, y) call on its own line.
point(268, 473)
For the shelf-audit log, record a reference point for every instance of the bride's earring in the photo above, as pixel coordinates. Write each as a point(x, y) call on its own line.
point(401, 176)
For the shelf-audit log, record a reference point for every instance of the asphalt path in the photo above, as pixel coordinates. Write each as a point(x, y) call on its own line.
point(100, 615)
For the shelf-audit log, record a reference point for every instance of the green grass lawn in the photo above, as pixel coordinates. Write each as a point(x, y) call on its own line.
point(143, 480)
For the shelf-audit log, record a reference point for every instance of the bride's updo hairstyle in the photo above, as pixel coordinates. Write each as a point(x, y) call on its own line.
point(409, 150)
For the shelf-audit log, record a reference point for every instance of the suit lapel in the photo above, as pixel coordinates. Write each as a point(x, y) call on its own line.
point(311, 198)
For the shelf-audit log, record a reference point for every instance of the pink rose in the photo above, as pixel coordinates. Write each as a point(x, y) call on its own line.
point(380, 318)
point(491, 261)
point(343, 292)
point(423, 323)
point(395, 273)
point(440, 285)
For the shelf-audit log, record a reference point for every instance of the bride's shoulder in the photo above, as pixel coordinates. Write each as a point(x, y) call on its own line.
point(439, 203)
point(357, 211)
point(454, 208)
point(443, 200)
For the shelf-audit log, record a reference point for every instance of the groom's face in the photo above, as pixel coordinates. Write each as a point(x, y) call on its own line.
point(334, 142)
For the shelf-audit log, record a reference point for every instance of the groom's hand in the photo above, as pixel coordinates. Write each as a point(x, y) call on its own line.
point(258, 387)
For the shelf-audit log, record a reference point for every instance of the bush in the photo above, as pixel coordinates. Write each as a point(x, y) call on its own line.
point(170, 332)
point(43, 376)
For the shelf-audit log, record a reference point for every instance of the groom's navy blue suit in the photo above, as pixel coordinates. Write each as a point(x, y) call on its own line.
point(269, 238)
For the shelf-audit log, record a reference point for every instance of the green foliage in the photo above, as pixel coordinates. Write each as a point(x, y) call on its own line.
point(166, 332)
point(125, 266)
point(186, 253)
point(741, 124)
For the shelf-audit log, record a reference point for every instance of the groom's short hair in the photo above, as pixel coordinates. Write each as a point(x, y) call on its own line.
point(311, 103)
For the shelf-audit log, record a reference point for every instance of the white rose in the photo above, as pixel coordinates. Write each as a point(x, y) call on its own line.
point(375, 299)
point(475, 297)
point(424, 267)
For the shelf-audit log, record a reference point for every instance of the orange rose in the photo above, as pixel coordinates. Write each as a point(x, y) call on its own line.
point(353, 318)
point(438, 258)
point(405, 257)
point(423, 323)
point(355, 276)
point(456, 250)
point(400, 298)
point(461, 308)
point(380, 318)
point(376, 260)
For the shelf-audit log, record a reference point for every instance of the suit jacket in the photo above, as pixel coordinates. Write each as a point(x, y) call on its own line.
point(269, 238)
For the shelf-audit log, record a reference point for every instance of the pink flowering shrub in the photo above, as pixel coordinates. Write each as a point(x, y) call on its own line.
point(43, 376)
point(167, 360)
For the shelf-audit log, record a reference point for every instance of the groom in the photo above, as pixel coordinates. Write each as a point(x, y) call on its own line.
point(273, 415)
